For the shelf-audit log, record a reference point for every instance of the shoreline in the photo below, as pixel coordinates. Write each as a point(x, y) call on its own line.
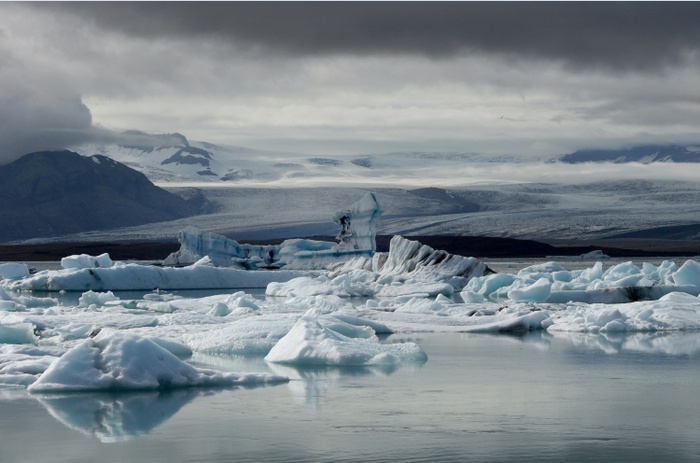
point(469, 246)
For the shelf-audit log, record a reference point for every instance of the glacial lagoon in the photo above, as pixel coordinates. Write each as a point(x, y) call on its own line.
point(538, 397)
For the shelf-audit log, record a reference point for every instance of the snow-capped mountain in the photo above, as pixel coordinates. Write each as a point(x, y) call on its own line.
point(173, 159)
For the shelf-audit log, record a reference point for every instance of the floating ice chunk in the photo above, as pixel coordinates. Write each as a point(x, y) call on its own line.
point(147, 277)
point(86, 261)
point(409, 269)
point(118, 360)
point(356, 237)
point(222, 251)
point(219, 310)
point(13, 271)
point(539, 291)
point(621, 283)
point(239, 303)
point(421, 305)
point(515, 324)
point(547, 267)
point(688, 274)
point(597, 254)
point(17, 333)
point(22, 364)
point(309, 342)
point(358, 224)
point(96, 299)
point(246, 336)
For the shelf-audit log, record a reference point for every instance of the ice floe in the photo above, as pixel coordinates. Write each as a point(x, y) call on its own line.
point(313, 342)
point(103, 341)
point(118, 360)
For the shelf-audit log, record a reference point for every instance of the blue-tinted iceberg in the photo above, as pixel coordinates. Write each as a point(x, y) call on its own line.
point(410, 268)
point(356, 237)
point(624, 282)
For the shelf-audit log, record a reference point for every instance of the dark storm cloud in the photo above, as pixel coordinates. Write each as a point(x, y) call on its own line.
point(619, 35)
point(30, 122)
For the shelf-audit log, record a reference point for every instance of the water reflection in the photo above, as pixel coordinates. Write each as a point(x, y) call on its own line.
point(539, 339)
point(310, 384)
point(114, 417)
point(675, 343)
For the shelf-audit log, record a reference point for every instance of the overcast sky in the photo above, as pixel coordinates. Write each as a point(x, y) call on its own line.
point(535, 79)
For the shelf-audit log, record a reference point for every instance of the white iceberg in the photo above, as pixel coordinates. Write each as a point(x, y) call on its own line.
point(410, 268)
point(201, 275)
point(119, 360)
point(86, 261)
point(315, 342)
point(13, 271)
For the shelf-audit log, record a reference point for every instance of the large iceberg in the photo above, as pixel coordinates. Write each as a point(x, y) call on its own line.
point(119, 360)
point(130, 277)
point(410, 268)
point(313, 342)
point(356, 237)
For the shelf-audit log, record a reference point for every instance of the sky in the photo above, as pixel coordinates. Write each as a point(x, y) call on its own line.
point(531, 79)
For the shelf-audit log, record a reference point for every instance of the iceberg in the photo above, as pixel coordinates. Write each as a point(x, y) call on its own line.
point(356, 237)
point(410, 268)
point(314, 342)
point(550, 283)
point(358, 225)
point(223, 252)
point(119, 360)
point(120, 276)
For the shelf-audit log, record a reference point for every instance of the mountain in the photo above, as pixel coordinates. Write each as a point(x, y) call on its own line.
point(52, 193)
point(643, 154)
point(172, 158)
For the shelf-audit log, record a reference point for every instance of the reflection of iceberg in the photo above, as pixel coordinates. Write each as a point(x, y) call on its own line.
point(310, 384)
point(667, 343)
point(117, 416)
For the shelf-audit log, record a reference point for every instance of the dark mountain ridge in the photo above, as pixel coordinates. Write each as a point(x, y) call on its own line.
point(645, 154)
point(51, 193)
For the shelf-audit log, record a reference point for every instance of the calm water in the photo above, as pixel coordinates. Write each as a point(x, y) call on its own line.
point(478, 398)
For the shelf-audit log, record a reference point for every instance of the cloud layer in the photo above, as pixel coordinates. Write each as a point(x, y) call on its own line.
point(352, 77)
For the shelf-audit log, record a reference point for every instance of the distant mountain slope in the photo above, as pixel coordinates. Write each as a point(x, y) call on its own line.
point(644, 154)
point(172, 158)
point(53, 193)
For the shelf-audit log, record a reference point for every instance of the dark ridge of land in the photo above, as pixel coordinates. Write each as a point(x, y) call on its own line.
point(116, 251)
point(472, 246)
